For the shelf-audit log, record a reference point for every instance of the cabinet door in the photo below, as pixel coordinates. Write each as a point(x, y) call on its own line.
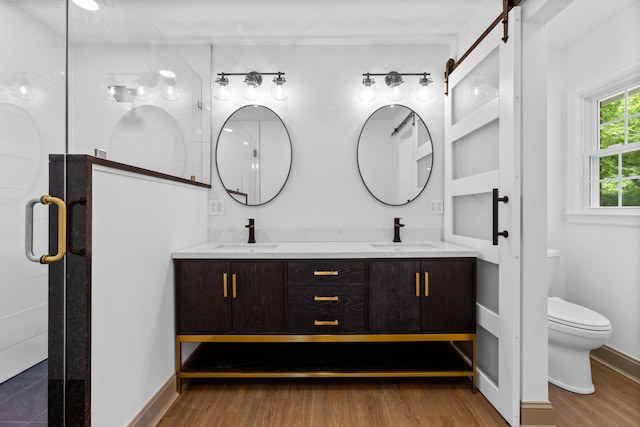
point(258, 305)
point(448, 302)
point(201, 305)
point(393, 304)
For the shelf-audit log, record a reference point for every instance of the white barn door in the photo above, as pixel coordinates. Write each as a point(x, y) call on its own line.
point(482, 153)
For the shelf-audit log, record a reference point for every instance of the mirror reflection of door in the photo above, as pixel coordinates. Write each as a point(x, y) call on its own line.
point(253, 155)
point(395, 155)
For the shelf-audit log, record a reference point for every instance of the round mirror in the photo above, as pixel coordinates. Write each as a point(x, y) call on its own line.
point(395, 155)
point(253, 155)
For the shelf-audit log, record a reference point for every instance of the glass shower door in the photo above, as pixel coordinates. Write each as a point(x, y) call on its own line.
point(32, 126)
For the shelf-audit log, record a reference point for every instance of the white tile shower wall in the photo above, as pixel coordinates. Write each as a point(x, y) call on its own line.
point(324, 197)
point(29, 131)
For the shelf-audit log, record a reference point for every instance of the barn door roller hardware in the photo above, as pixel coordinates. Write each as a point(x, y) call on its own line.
point(452, 64)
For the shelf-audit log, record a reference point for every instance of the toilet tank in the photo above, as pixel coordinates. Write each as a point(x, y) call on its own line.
point(555, 278)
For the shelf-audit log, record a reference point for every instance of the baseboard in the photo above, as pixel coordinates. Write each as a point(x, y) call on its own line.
point(157, 406)
point(536, 414)
point(619, 362)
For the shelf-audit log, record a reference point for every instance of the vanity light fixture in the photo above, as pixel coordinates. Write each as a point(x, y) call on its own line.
point(171, 91)
point(146, 83)
point(122, 93)
point(143, 86)
point(253, 80)
point(23, 89)
point(394, 82)
point(167, 74)
point(422, 92)
point(278, 91)
point(223, 92)
point(368, 90)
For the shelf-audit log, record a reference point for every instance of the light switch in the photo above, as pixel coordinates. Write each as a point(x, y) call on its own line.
point(436, 207)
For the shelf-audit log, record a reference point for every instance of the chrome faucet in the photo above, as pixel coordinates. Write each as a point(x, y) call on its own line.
point(396, 229)
point(251, 226)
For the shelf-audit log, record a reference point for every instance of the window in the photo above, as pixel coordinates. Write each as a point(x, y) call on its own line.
point(614, 157)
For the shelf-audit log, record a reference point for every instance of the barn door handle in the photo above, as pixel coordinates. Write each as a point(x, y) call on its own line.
point(62, 230)
point(497, 233)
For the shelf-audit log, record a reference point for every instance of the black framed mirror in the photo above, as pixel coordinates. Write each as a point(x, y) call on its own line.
point(395, 155)
point(253, 155)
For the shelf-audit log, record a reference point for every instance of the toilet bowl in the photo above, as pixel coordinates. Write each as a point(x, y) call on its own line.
point(574, 331)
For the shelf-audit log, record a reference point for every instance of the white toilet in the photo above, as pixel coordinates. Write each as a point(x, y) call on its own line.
point(574, 331)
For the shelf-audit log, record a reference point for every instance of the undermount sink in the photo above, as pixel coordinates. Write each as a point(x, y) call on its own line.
point(400, 247)
point(230, 247)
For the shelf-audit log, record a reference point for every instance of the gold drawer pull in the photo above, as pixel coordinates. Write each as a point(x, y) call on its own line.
point(426, 283)
point(317, 298)
point(325, 323)
point(224, 285)
point(325, 273)
point(417, 284)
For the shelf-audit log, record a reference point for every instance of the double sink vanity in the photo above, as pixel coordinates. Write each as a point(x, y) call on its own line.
point(326, 309)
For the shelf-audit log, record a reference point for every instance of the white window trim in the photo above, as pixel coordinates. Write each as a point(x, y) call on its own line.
point(581, 110)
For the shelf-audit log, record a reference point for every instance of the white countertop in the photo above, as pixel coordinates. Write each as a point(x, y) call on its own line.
point(324, 250)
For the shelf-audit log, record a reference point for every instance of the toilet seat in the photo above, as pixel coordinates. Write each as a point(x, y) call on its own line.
point(576, 316)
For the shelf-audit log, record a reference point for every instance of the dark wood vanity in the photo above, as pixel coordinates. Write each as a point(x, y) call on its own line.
point(368, 317)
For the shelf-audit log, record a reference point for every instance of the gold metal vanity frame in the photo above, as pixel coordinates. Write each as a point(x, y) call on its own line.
point(328, 338)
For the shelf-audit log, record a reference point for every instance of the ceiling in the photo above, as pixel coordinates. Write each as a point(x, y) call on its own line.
point(263, 21)
point(311, 21)
point(297, 21)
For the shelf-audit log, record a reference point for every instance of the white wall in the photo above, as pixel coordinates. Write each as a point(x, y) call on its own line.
point(137, 223)
point(29, 131)
point(324, 198)
point(602, 271)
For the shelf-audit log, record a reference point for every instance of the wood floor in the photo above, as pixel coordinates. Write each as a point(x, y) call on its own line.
point(388, 402)
point(616, 401)
point(332, 402)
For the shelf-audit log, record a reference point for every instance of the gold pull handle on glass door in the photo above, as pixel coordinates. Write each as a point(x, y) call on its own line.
point(62, 230)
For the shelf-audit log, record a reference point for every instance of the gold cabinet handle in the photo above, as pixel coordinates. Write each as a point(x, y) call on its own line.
point(426, 283)
point(62, 230)
point(233, 285)
point(318, 298)
point(325, 273)
point(417, 284)
point(325, 323)
point(224, 285)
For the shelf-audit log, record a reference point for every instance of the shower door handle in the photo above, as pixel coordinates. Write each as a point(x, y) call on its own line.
point(62, 230)
point(497, 233)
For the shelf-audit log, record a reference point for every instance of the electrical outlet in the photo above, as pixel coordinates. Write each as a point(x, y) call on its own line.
point(216, 207)
point(436, 207)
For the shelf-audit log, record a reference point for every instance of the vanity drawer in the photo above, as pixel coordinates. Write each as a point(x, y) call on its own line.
point(326, 272)
point(326, 309)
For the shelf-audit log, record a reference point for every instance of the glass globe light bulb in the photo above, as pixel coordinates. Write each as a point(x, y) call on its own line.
point(368, 90)
point(278, 90)
point(222, 91)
